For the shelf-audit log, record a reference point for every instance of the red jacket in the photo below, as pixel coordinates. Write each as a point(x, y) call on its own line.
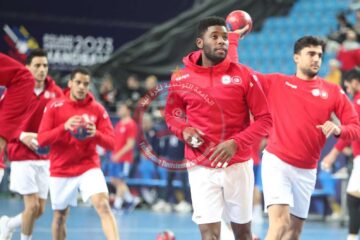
point(217, 100)
point(69, 156)
point(18, 151)
point(355, 145)
point(297, 107)
point(19, 85)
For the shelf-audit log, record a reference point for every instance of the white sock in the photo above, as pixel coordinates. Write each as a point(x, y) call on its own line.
point(128, 197)
point(15, 222)
point(25, 237)
point(352, 237)
point(118, 202)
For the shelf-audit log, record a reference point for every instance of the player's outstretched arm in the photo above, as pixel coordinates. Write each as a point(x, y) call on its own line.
point(20, 84)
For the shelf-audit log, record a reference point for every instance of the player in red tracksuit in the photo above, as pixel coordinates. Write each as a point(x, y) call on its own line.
point(123, 156)
point(72, 126)
point(19, 85)
point(29, 174)
point(208, 107)
point(352, 83)
point(301, 106)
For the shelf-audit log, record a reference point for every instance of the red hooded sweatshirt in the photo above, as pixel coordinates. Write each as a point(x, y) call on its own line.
point(17, 151)
point(217, 100)
point(69, 156)
point(19, 85)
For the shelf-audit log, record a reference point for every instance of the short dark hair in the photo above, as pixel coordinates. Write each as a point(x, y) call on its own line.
point(208, 22)
point(81, 70)
point(308, 41)
point(352, 74)
point(38, 52)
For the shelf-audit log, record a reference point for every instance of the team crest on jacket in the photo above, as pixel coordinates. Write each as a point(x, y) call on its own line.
point(48, 94)
point(315, 92)
point(226, 79)
point(89, 118)
point(320, 93)
point(236, 80)
point(324, 94)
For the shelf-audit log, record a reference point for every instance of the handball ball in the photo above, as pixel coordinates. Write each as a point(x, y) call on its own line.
point(80, 132)
point(238, 19)
point(166, 235)
point(43, 150)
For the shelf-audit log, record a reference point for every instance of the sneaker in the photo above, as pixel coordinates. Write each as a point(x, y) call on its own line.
point(161, 206)
point(5, 232)
point(183, 207)
point(130, 206)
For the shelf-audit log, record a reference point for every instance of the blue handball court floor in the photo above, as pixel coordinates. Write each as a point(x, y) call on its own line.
point(84, 224)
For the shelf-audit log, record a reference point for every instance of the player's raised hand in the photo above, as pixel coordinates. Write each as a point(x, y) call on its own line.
point(242, 31)
point(329, 128)
point(192, 136)
point(223, 153)
point(72, 123)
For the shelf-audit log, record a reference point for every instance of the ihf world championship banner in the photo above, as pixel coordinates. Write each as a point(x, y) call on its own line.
point(68, 45)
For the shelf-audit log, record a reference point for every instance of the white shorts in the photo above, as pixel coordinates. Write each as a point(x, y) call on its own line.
point(31, 176)
point(222, 193)
point(64, 190)
point(286, 184)
point(1, 174)
point(354, 181)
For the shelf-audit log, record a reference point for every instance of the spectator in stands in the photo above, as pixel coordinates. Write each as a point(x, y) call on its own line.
point(349, 52)
point(343, 26)
point(151, 82)
point(334, 75)
point(108, 93)
point(133, 90)
point(356, 26)
point(123, 156)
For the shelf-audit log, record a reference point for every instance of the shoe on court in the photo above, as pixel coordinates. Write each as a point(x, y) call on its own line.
point(130, 206)
point(162, 206)
point(183, 207)
point(5, 232)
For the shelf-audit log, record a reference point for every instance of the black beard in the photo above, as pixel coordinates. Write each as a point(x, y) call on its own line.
point(212, 57)
point(310, 73)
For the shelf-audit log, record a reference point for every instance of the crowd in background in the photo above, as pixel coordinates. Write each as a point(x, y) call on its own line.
point(153, 130)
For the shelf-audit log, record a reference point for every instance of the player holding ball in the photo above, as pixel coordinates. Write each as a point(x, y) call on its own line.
point(73, 126)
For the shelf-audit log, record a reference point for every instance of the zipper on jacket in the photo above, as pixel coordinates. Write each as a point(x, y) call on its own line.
point(211, 77)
